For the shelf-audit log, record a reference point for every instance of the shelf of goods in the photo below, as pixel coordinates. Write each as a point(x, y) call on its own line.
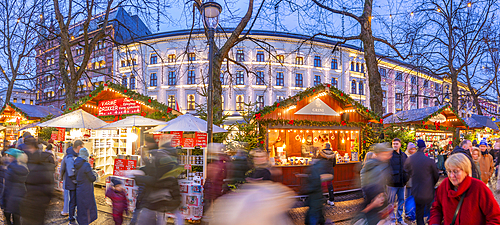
point(192, 160)
point(107, 144)
point(191, 183)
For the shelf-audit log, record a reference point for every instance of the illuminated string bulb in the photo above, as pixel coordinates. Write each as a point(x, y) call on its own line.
point(469, 4)
point(390, 16)
point(411, 14)
point(438, 10)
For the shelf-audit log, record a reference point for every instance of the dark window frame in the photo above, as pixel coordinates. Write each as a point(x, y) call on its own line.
point(280, 79)
point(153, 80)
point(191, 77)
point(299, 80)
point(172, 78)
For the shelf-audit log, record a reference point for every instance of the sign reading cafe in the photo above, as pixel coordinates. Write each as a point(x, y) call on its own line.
point(119, 106)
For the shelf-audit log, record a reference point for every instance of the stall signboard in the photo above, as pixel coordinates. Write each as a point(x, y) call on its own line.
point(54, 135)
point(61, 135)
point(201, 139)
point(118, 107)
point(122, 165)
point(177, 138)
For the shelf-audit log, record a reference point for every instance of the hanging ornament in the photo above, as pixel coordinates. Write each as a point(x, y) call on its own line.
point(125, 91)
point(314, 90)
point(149, 100)
point(257, 116)
point(328, 85)
point(315, 139)
point(290, 122)
point(105, 84)
point(262, 142)
point(90, 95)
point(297, 138)
point(341, 94)
point(278, 105)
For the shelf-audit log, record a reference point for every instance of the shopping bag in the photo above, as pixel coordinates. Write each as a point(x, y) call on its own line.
point(410, 208)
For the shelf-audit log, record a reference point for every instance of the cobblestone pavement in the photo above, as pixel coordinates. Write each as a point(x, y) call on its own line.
point(346, 206)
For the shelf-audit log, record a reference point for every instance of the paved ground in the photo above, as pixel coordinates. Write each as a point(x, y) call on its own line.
point(345, 208)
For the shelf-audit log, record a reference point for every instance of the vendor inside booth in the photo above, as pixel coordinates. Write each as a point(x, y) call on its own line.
point(435, 125)
point(16, 116)
point(296, 128)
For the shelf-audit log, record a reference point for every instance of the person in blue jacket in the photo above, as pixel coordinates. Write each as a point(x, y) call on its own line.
point(69, 177)
point(15, 187)
point(85, 177)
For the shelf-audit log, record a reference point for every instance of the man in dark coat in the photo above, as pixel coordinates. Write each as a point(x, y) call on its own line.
point(85, 177)
point(69, 176)
point(465, 148)
point(15, 187)
point(39, 183)
point(396, 188)
point(424, 174)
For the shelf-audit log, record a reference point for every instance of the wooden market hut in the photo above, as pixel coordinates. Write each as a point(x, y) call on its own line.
point(310, 119)
point(15, 116)
point(435, 125)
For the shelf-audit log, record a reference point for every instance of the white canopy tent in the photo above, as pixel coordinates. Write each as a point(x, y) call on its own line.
point(133, 121)
point(186, 123)
point(75, 119)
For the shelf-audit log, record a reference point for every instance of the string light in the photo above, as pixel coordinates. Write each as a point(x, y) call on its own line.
point(469, 4)
point(438, 10)
point(411, 14)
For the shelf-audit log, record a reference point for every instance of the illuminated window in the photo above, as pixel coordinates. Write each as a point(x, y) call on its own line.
point(259, 78)
point(299, 80)
point(191, 56)
point(191, 105)
point(240, 78)
point(123, 63)
point(334, 82)
point(171, 101)
point(124, 81)
point(171, 58)
point(280, 58)
point(317, 80)
point(240, 55)
point(171, 78)
point(260, 102)
point(260, 56)
point(280, 79)
point(153, 59)
point(132, 82)
point(361, 88)
point(31, 102)
point(299, 60)
point(153, 80)
point(335, 64)
point(240, 102)
point(23, 101)
point(14, 100)
point(191, 78)
point(317, 61)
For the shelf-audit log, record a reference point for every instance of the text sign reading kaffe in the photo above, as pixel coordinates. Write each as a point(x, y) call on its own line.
point(118, 107)
point(121, 165)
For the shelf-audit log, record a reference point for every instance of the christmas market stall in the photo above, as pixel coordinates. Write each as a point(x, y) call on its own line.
point(296, 128)
point(435, 125)
point(480, 127)
point(189, 134)
point(17, 116)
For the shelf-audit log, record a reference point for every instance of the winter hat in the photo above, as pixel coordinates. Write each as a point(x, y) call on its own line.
point(483, 142)
point(14, 152)
point(410, 146)
point(116, 181)
point(474, 143)
point(421, 144)
point(381, 147)
point(327, 146)
point(84, 154)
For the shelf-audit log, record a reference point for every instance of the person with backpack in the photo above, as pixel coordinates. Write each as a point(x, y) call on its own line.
point(69, 177)
point(328, 161)
point(161, 192)
point(423, 172)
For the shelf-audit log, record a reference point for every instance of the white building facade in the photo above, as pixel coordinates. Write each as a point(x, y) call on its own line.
point(275, 67)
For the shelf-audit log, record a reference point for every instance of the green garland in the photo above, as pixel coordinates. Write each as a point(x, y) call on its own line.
point(447, 106)
point(164, 109)
point(332, 91)
point(15, 109)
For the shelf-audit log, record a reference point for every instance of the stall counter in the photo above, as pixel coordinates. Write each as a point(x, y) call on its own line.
point(346, 176)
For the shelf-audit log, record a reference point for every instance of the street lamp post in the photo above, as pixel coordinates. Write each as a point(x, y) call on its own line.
point(211, 11)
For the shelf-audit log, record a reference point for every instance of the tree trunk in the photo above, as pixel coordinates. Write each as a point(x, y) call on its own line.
point(9, 91)
point(454, 89)
point(374, 80)
point(217, 95)
point(476, 103)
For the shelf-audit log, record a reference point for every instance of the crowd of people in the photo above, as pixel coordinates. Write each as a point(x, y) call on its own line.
point(391, 180)
point(443, 187)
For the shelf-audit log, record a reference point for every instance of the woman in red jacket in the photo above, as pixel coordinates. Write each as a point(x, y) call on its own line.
point(479, 205)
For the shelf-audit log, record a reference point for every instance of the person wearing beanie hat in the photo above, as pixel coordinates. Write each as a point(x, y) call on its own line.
point(15, 187)
point(85, 178)
point(377, 169)
point(486, 164)
point(118, 196)
point(424, 175)
point(411, 149)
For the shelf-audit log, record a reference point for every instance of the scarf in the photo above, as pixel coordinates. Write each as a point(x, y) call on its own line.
point(484, 153)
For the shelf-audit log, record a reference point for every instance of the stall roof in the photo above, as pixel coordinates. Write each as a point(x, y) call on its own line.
point(479, 122)
point(345, 101)
point(110, 90)
point(422, 116)
point(32, 111)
